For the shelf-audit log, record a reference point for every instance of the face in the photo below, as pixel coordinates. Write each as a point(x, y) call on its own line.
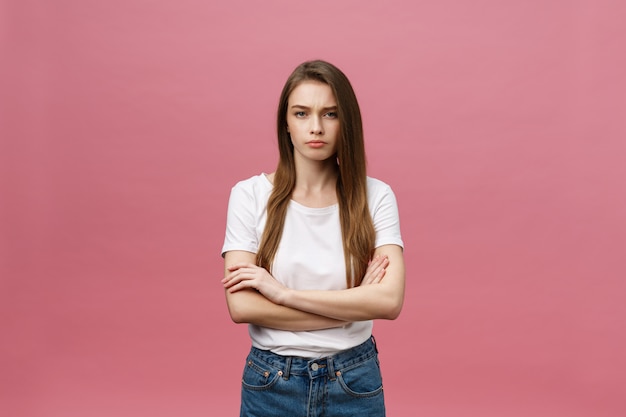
point(312, 121)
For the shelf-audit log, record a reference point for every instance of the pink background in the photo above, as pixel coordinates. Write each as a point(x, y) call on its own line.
point(499, 124)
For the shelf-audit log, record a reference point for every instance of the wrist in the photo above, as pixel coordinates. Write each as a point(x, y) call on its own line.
point(285, 297)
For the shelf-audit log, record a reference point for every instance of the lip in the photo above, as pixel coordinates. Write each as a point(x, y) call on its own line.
point(316, 143)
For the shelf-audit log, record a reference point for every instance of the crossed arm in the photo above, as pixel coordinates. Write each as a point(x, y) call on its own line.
point(254, 296)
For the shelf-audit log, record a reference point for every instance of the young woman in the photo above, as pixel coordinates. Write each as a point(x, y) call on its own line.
point(313, 254)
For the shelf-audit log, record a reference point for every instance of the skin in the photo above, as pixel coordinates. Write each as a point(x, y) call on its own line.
point(254, 296)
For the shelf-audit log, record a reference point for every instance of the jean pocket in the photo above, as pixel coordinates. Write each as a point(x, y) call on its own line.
point(258, 375)
point(362, 380)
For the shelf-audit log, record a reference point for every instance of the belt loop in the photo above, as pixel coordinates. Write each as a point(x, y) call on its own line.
point(374, 341)
point(287, 368)
point(331, 368)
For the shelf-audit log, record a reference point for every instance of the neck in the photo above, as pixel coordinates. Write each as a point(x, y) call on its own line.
point(314, 176)
point(316, 183)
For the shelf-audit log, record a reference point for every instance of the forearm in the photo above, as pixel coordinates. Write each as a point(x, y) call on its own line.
point(382, 300)
point(378, 301)
point(249, 306)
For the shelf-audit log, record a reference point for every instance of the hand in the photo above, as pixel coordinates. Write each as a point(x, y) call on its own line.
point(375, 270)
point(248, 275)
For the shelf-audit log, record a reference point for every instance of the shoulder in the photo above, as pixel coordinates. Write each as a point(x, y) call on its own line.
point(380, 196)
point(258, 184)
point(376, 184)
point(251, 192)
point(377, 189)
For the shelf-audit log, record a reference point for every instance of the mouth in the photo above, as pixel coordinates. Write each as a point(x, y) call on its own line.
point(316, 143)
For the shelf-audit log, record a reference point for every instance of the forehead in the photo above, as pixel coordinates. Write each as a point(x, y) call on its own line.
point(312, 93)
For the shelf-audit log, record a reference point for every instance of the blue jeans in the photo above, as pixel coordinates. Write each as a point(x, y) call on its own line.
point(346, 384)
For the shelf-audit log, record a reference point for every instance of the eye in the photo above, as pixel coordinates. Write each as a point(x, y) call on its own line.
point(331, 115)
point(300, 114)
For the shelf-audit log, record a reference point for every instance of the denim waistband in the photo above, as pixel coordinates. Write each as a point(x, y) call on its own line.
point(326, 366)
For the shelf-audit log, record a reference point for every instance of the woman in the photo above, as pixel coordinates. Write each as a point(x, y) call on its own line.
point(313, 254)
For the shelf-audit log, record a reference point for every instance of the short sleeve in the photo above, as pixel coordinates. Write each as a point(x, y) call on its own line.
point(384, 210)
point(241, 220)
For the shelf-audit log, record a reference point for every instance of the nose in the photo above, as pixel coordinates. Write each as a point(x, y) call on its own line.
point(317, 127)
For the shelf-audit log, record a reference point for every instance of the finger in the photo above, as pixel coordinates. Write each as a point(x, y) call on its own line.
point(230, 276)
point(241, 265)
point(376, 260)
point(379, 277)
point(376, 276)
point(236, 277)
point(229, 282)
point(240, 269)
point(240, 286)
point(384, 262)
point(376, 270)
point(369, 275)
point(379, 265)
point(379, 261)
point(369, 278)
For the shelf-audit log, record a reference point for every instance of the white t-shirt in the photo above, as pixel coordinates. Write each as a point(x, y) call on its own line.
point(310, 256)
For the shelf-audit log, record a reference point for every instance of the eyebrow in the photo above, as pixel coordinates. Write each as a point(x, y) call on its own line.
point(299, 106)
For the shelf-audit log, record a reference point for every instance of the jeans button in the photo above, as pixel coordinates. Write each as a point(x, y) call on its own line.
point(315, 367)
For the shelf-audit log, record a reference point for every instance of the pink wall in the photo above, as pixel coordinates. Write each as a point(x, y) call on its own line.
point(501, 126)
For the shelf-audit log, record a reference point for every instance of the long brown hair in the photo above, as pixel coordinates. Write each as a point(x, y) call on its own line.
point(357, 228)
